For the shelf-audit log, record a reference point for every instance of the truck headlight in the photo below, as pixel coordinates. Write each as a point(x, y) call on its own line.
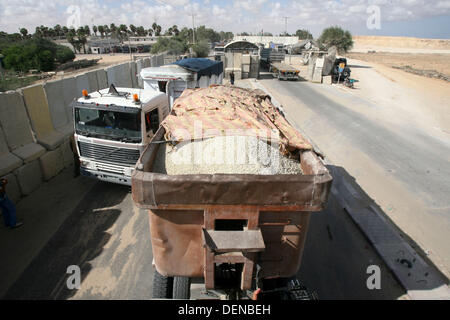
point(86, 164)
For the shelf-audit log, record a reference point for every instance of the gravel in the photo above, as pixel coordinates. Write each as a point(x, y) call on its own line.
point(227, 155)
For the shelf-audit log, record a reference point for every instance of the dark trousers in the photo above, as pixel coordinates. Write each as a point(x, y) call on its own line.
point(9, 211)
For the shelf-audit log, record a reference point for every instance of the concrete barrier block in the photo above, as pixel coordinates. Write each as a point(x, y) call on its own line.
point(8, 161)
point(67, 154)
point(327, 80)
point(29, 152)
point(146, 63)
point(139, 67)
point(52, 163)
point(13, 189)
point(246, 68)
point(134, 75)
point(237, 57)
point(92, 79)
point(70, 93)
point(102, 79)
point(52, 140)
point(120, 75)
point(160, 60)
point(38, 110)
point(14, 120)
point(56, 103)
point(246, 59)
point(67, 131)
point(29, 177)
point(82, 82)
point(153, 61)
point(317, 76)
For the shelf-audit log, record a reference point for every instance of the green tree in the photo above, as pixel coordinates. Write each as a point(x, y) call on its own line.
point(303, 34)
point(24, 32)
point(95, 29)
point(64, 54)
point(201, 49)
point(336, 36)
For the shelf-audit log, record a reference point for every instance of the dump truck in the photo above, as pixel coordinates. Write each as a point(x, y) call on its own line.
point(283, 71)
point(112, 128)
point(243, 234)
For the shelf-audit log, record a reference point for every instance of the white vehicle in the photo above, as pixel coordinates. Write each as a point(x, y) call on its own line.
point(112, 128)
point(186, 73)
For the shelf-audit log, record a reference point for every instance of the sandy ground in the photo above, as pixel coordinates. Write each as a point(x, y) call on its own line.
point(400, 44)
point(421, 61)
point(423, 101)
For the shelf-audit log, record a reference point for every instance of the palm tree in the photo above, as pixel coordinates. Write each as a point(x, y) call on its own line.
point(100, 29)
point(133, 29)
point(150, 32)
point(24, 32)
point(94, 28)
point(158, 30)
point(123, 29)
point(82, 37)
point(175, 30)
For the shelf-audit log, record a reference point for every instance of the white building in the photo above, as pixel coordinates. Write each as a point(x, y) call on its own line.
point(266, 40)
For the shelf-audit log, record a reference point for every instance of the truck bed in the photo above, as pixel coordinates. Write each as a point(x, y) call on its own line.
point(153, 188)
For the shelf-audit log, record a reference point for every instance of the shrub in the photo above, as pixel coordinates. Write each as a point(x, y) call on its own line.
point(64, 54)
point(336, 36)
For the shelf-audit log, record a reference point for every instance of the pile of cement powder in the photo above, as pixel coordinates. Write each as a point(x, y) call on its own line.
point(228, 155)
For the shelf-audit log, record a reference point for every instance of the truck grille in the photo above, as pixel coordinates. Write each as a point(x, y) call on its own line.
point(109, 154)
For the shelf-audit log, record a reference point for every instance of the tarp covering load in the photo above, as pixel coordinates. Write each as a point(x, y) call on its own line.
point(202, 66)
point(228, 110)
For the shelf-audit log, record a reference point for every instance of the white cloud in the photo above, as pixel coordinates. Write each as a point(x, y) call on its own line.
point(237, 15)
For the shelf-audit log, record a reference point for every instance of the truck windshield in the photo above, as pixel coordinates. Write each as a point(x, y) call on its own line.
point(111, 125)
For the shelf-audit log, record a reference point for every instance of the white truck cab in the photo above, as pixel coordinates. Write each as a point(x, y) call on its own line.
point(112, 128)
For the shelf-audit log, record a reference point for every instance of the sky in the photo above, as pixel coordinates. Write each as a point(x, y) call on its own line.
point(415, 18)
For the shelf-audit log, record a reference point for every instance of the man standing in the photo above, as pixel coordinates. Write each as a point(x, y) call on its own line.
point(232, 77)
point(8, 208)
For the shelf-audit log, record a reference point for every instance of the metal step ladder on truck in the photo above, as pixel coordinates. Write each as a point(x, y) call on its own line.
point(241, 234)
point(113, 126)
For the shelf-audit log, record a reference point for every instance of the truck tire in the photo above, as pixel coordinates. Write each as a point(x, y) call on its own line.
point(182, 288)
point(162, 286)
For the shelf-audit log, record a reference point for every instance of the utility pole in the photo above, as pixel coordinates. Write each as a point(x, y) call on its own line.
point(193, 29)
point(285, 25)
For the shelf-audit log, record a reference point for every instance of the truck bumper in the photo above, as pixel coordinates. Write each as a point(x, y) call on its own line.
point(105, 176)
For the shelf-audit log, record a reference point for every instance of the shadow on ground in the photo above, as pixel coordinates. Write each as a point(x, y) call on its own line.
point(79, 240)
point(337, 252)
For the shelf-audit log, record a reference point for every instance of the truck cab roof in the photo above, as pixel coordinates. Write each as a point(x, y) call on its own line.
point(125, 98)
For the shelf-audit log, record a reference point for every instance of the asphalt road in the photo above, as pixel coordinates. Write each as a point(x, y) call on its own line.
point(404, 168)
point(108, 238)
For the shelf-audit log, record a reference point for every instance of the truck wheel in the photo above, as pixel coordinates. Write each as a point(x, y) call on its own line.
point(182, 288)
point(162, 286)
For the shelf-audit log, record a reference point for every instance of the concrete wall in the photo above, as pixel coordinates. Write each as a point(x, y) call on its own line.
point(36, 123)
